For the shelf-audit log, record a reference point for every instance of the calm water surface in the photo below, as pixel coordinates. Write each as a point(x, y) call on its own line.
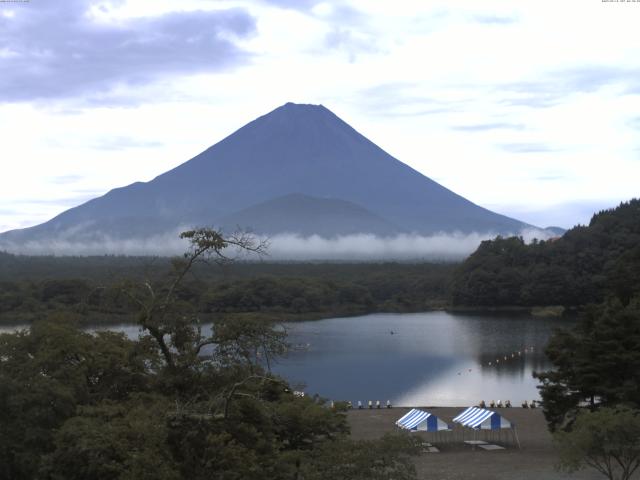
point(433, 358)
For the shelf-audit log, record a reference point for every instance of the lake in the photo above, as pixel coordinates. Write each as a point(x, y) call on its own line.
point(433, 358)
point(411, 359)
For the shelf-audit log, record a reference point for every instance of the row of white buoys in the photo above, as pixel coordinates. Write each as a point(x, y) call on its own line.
point(504, 358)
point(508, 357)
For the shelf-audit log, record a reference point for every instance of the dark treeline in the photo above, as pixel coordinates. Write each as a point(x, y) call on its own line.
point(30, 286)
point(586, 265)
point(110, 267)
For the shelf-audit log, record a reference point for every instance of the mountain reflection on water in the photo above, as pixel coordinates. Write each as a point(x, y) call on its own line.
point(433, 358)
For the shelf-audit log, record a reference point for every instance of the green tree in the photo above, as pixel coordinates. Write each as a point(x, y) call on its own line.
point(46, 372)
point(173, 326)
point(114, 440)
point(607, 440)
point(595, 364)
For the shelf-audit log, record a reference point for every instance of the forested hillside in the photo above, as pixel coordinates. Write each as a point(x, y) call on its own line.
point(584, 266)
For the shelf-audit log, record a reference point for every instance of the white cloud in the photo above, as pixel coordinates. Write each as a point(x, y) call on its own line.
point(360, 247)
point(371, 247)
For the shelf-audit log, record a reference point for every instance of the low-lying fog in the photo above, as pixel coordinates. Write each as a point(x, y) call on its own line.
point(360, 247)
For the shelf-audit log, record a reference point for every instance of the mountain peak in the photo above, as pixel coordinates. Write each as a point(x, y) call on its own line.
point(303, 129)
point(298, 111)
point(306, 106)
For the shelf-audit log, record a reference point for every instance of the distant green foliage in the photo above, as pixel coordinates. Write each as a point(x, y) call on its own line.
point(583, 266)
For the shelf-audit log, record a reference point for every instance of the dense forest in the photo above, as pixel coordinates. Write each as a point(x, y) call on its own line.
point(92, 286)
point(585, 265)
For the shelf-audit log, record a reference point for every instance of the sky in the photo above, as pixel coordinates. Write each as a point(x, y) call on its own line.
point(528, 108)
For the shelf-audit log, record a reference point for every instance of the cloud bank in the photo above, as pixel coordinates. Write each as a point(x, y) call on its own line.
point(285, 247)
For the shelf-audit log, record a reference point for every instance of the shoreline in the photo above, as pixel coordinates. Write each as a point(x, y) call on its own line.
point(537, 311)
point(13, 318)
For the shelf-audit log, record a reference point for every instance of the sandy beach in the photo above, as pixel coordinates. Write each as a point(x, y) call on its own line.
point(535, 460)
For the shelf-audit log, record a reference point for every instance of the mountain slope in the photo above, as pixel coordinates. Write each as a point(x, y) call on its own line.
point(305, 215)
point(295, 148)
